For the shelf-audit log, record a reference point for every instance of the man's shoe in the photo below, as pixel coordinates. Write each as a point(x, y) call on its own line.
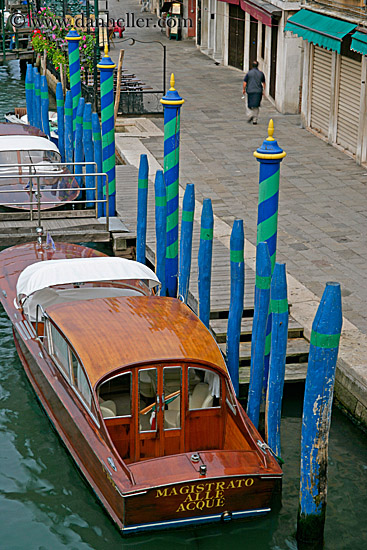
point(249, 120)
point(254, 122)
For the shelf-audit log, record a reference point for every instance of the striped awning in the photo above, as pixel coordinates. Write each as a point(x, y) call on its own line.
point(359, 42)
point(319, 29)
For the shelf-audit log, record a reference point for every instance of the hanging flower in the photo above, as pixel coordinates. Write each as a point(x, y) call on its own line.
point(84, 37)
point(84, 46)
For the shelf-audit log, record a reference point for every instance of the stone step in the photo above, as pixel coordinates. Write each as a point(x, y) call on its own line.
point(297, 351)
point(219, 329)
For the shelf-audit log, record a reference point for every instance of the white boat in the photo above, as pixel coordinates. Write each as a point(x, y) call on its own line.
point(25, 151)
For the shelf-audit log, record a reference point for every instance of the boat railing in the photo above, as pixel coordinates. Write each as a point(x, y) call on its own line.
point(75, 170)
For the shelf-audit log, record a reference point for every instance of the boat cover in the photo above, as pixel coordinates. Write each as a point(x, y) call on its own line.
point(81, 270)
point(26, 143)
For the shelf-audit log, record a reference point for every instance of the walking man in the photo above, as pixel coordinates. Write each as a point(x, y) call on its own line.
point(254, 86)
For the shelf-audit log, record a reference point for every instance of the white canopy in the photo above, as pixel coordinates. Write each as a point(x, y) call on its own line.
point(26, 143)
point(81, 270)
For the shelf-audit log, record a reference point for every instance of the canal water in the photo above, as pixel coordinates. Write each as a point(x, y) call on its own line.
point(46, 505)
point(12, 91)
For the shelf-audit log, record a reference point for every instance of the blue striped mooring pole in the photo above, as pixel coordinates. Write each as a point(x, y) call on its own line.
point(205, 261)
point(160, 228)
point(89, 154)
point(269, 155)
point(141, 228)
point(79, 152)
point(73, 39)
point(69, 141)
point(29, 92)
point(60, 120)
point(260, 320)
point(107, 66)
point(278, 355)
point(97, 144)
point(237, 243)
point(172, 102)
point(317, 406)
point(187, 225)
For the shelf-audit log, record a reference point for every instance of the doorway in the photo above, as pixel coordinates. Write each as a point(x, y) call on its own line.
point(236, 36)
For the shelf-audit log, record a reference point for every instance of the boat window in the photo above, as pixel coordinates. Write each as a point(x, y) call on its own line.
point(60, 350)
point(230, 400)
point(147, 382)
point(29, 157)
point(115, 396)
point(172, 381)
point(80, 380)
point(204, 389)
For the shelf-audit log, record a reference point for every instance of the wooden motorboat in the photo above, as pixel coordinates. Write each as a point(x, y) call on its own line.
point(25, 150)
point(137, 389)
point(19, 116)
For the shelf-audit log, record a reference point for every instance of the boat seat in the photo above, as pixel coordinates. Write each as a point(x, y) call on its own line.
point(171, 419)
point(201, 398)
point(108, 408)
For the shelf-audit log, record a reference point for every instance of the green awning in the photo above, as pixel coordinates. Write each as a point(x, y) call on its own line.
point(322, 30)
point(359, 42)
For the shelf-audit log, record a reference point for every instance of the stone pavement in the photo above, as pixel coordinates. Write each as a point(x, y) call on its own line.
point(323, 193)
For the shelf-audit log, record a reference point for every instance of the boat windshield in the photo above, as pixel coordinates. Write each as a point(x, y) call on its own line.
point(29, 157)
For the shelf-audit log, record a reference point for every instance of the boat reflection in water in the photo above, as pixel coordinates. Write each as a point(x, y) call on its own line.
point(137, 389)
point(25, 151)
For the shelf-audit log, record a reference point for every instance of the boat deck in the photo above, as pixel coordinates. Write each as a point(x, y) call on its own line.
point(297, 353)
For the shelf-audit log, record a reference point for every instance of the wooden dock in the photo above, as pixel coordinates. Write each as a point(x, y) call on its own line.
point(297, 353)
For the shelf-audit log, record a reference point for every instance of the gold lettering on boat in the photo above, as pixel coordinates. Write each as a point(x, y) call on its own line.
point(204, 495)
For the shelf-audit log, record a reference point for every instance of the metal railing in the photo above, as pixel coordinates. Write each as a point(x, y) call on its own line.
point(35, 190)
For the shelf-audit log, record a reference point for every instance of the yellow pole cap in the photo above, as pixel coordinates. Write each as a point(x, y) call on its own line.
point(270, 131)
point(106, 50)
point(172, 83)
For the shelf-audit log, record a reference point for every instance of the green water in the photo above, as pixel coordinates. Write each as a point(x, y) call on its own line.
point(45, 504)
point(12, 92)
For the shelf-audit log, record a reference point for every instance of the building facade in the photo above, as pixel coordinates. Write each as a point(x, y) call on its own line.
point(237, 32)
point(334, 72)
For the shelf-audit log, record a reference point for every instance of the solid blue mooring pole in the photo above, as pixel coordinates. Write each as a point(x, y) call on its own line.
point(69, 142)
point(60, 120)
point(141, 227)
point(236, 302)
point(79, 153)
point(187, 225)
point(44, 106)
point(89, 154)
point(160, 229)
point(278, 354)
point(97, 143)
point(261, 310)
point(205, 261)
point(29, 92)
point(316, 419)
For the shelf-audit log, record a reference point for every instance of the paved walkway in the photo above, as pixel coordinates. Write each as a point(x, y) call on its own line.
point(323, 193)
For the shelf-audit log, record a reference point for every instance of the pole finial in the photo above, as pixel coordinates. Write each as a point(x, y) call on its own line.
point(106, 50)
point(72, 24)
point(270, 131)
point(172, 82)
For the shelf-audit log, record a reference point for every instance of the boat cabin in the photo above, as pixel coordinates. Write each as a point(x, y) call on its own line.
point(138, 371)
point(131, 357)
